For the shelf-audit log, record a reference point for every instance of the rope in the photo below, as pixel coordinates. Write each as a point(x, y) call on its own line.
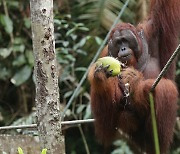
point(94, 59)
point(164, 70)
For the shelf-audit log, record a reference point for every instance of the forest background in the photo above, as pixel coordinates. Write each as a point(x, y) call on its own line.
point(80, 27)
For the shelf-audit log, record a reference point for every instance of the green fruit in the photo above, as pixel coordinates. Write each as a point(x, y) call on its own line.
point(114, 64)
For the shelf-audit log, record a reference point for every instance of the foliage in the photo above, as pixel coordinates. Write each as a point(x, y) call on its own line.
point(122, 148)
point(71, 50)
point(20, 151)
point(16, 58)
point(44, 151)
point(101, 13)
point(79, 31)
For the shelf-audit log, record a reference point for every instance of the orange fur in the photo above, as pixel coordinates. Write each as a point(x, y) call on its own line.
point(110, 114)
point(104, 52)
point(162, 31)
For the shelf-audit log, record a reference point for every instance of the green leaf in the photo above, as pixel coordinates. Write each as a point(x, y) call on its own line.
point(27, 22)
point(13, 4)
point(74, 37)
point(78, 24)
point(71, 31)
point(98, 40)
point(64, 51)
point(5, 52)
point(177, 72)
point(82, 52)
point(122, 148)
point(19, 61)
point(65, 26)
point(18, 40)
point(64, 21)
point(68, 16)
point(70, 57)
point(5, 73)
point(82, 69)
point(57, 21)
point(81, 43)
point(80, 108)
point(68, 94)
point(30, 57)
point(87, 112)
point(7, 23)
point(19, 48)
point(44, 151)
point(22, 75)
point(20, 151)
point(65, 43)
point(83, 28)
point(61, 59)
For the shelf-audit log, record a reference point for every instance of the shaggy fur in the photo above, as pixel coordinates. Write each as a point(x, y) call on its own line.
point(161, 30)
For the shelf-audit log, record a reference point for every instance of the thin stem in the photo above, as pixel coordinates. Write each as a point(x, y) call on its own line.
point(84, 140)
point(154, 124)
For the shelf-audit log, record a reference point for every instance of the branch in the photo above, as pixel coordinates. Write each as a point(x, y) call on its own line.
point(165, 67)
point(74, 122)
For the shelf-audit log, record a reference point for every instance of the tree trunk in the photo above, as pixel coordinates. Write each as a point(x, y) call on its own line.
point(45, 70)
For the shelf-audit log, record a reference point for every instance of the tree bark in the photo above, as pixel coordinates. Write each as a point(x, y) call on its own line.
point(46, 78)
point(10, 143)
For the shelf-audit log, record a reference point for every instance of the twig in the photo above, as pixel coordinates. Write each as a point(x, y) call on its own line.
point(165, 68)
point(154, 124)
point(84, 140)
point(74, 122)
